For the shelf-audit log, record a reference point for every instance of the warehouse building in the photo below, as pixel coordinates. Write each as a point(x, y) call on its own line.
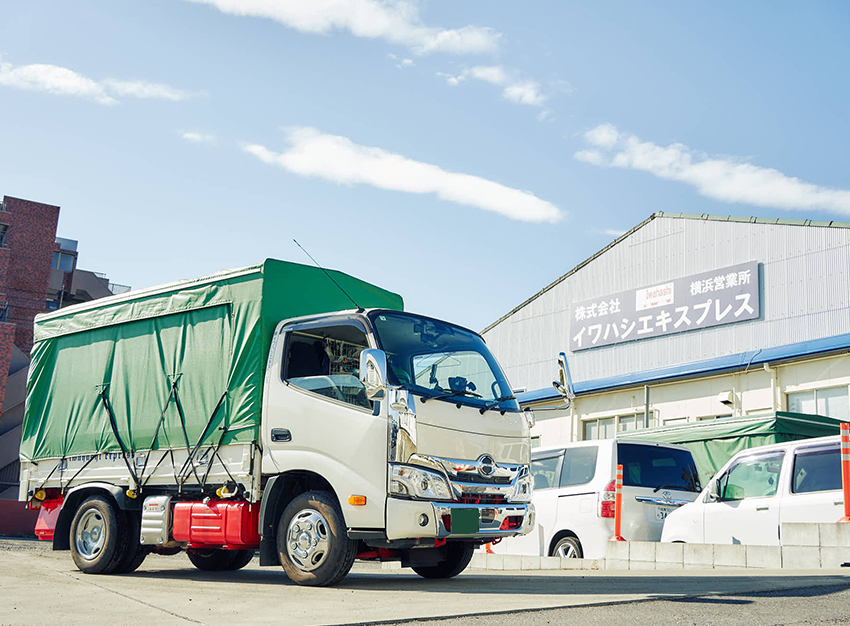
point(687, 318)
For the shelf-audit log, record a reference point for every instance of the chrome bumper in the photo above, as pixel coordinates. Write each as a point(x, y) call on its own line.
point(490, 519)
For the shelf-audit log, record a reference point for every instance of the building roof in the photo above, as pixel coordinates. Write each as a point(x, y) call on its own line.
point(686, 216)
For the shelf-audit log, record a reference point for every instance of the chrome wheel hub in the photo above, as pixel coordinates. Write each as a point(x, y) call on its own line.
point(91, 534)
point(308, 539)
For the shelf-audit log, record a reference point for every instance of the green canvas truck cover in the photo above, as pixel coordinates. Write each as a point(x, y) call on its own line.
point(712, 443)
point(164, 366)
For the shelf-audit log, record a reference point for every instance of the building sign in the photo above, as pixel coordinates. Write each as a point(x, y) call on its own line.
point(713, 298)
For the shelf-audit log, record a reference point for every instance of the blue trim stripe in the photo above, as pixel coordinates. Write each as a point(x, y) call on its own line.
point(709, 366)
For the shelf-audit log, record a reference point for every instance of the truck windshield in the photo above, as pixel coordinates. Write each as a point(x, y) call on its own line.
point(434, 358)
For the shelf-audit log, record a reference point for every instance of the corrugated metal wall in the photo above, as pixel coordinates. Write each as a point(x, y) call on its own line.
point(805, 295)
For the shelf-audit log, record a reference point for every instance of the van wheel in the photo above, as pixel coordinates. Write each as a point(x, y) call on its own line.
point(568, 547)
point(458, 556)
point(98, 543)
point(312, 540)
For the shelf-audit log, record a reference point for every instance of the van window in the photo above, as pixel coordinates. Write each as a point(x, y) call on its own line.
point(545, 471)
point(579, 466)
point(326, 361)
point(816, 470)
point(753, 477)
point(657, 467)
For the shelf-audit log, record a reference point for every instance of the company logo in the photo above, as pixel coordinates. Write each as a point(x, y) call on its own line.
point(486, 465)
point(668, 497)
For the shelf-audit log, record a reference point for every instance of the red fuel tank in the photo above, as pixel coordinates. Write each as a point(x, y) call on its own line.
point(217, 523)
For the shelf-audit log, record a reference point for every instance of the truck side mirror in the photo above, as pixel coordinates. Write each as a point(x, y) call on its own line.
point(564, 384)
point(373, 373)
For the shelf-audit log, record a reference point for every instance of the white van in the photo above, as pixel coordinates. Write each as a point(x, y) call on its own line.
point(759, 489)
point(574, 495)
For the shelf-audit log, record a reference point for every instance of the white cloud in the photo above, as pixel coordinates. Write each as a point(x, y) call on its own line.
point(144, 89)
point(198, 137)
point(613, 232)
point(604, 136)
point(721, 178)
point(514, 88)
point(338, 159)
point(396, 21)
point(53, 79)
point(406, 62)
point(65, 82)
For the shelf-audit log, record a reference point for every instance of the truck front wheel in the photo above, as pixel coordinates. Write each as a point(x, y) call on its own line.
point(312, 541)
point(458, 556)
point(98, 543)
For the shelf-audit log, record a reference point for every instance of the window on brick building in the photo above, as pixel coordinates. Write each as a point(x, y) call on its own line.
point(64, 262)
point(4, 232)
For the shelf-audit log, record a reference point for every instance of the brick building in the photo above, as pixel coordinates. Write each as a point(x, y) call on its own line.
point(38, 272)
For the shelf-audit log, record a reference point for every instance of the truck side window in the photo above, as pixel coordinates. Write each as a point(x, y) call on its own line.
point(579, 466)
point(753, 477)
point(326, 361)
point(816, 470)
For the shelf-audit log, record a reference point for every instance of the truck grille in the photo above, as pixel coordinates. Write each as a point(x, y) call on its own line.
point(480, 498)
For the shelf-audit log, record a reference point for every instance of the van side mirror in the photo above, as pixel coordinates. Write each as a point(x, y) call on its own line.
point(564, 384)
point(373, 373)
point(714, 494)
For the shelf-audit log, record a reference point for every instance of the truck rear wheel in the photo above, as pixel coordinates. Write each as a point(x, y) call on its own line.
point(98, 541)
point(458, 556)
point(134, 552)
point(312, 541)
point(214, 559)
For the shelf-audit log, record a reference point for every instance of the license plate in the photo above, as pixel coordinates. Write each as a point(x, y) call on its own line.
point(662, 512)
point(464, 521)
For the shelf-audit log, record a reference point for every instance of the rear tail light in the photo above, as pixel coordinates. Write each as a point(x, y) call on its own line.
point(606, 505)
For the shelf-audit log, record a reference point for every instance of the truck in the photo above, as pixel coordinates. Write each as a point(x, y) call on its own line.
point(280, 408)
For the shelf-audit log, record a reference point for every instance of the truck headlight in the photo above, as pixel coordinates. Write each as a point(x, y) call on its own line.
point(415, 482)
point(523, 490)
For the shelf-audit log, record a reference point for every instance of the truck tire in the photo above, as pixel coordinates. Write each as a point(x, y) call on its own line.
point(98, 540)
point(313, 542)
point(241, 558)
point(213, 559)
point(134, 552)
point(458, 556)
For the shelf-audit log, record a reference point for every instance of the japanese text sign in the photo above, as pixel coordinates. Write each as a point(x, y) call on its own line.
point(722, 296)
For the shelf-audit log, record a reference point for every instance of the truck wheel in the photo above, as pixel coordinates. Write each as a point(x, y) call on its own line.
point(458, 556)
point(98, 542)
point(312, 541)
point(134, 553)
point(241, 558)
point(568, 547)
point(212, 560)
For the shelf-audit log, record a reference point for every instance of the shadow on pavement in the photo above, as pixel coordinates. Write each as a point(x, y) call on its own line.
point(667, 587)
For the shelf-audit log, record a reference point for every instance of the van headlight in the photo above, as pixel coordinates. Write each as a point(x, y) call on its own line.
point(523, 490)
point(414, 482)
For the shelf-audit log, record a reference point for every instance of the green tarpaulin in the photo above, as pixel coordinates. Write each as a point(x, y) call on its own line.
point(714, 442)
point(196, 347)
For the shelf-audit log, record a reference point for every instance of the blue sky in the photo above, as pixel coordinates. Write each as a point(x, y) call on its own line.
point(462, 154)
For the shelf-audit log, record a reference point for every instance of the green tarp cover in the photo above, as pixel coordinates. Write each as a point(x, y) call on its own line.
point(210, 335)
point(714, 442)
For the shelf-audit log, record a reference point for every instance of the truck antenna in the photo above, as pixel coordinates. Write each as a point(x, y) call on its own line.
point(360, 309)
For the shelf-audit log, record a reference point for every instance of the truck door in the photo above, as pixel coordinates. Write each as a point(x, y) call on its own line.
point(748, 509)
point(317, 417)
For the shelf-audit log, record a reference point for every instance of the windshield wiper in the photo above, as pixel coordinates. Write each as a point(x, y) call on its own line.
point(495, 403)
point(679, 487)
point(449, 394)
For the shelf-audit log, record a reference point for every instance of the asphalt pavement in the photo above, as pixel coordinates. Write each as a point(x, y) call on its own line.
point(43, 587)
